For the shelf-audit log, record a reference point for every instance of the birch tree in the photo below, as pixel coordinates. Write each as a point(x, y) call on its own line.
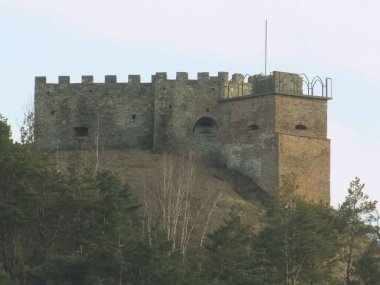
point(173, 203)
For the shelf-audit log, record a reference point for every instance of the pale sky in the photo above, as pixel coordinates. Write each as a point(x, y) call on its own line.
point(338, 39)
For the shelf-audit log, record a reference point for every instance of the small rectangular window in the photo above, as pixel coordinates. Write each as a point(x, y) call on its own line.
point(81, 131)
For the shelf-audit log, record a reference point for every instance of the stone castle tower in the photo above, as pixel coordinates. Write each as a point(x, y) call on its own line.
point(262, 126)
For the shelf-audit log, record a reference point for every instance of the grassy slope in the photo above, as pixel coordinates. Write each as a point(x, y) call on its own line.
point(143, 171)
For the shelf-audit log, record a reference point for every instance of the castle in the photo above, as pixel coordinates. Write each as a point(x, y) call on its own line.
point(263, 126)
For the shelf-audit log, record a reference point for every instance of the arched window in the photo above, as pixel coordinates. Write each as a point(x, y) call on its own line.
point(205, 125)
point(300, 127)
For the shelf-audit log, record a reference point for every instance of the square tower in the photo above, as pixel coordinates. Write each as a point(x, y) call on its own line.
point(277, 130)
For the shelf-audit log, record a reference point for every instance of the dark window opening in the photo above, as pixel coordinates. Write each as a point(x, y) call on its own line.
point(253, 127)
point(133, 116)
point(81, 131)
point(205, 125)
point(170, 106)
point(301, 127)
point(52, 112)
point(207, 110)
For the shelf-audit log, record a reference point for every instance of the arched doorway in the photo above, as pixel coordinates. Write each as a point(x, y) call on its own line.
point(205, 125)
point(206, 141)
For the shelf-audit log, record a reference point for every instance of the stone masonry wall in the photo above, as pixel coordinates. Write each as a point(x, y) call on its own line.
point(248, 138)
point(309, 159)
point(179, 104)
point(301, 125)
point(72, 114)
point(301, 116)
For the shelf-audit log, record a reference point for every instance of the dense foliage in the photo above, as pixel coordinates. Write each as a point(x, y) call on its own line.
point(77, 227)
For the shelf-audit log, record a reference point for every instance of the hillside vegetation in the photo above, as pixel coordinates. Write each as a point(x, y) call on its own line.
point(135, 217)
point(144, 172)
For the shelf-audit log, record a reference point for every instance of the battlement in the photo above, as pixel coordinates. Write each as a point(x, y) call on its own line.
point(238, 87)
point(87, 79)
point(133, 78)
point(184, 76)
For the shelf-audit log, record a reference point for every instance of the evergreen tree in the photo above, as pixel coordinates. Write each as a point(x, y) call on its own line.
point(19, 175)
point(368, 265)
point(355, 213)
point(235, 256)
point(90, 224)
point(300, 238)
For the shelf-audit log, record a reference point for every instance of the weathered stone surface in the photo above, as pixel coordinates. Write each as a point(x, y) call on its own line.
point(261, 126)
point(309, 159)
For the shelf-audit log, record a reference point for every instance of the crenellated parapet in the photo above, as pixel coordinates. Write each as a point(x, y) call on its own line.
point(133, 78)
point(132, 87)
point(237, 86)
point(181, 77)
point(88, 79)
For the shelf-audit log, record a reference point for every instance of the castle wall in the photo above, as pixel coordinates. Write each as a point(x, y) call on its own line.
point(179, 104)
point(72, 114)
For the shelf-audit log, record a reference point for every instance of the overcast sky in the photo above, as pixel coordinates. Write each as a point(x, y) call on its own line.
point(338, 39)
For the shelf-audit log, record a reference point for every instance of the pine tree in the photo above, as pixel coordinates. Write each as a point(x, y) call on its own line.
point(355, 213)
point(235, 255)
point(300, 238)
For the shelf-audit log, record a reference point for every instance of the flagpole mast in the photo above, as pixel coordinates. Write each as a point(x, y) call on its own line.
point(266, 45)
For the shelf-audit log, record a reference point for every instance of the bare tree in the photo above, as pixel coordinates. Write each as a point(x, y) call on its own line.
point(147, 220)
point(220, 194)
point(173, 203)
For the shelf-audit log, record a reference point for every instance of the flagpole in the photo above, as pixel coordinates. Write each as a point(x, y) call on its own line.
point(266, 45)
